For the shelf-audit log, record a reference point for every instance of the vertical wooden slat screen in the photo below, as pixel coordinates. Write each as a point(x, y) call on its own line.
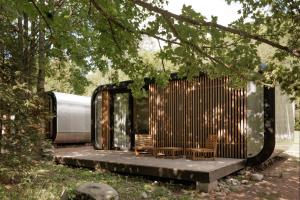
point(184, 113)
point(105, 121)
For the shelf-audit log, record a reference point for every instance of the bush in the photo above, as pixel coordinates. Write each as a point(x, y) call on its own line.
point(21, 115)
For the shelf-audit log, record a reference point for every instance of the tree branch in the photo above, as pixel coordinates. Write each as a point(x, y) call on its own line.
point(119, 24)
point(43, 17)
point(196, 47)
point(162, 59)
point(194, 22)
point(113, 36)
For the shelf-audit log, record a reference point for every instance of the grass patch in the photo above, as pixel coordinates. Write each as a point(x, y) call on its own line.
point(48, 181)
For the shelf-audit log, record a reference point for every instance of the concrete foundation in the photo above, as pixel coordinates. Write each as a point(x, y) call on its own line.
point(206, 187)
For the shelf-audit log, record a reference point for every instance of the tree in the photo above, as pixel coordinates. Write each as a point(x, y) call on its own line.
point(65, 77)
point(108, 34)
point(196, 44)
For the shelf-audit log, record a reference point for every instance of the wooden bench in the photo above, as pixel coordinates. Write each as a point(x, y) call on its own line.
point(143, 142)
point(209, 151)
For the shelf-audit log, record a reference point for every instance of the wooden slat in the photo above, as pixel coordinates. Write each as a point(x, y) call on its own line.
point(105, 121)
point(186, 112)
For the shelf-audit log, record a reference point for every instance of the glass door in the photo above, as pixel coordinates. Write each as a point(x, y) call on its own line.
point(121, 122)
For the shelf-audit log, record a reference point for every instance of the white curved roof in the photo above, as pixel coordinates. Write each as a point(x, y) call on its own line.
point(72, 98)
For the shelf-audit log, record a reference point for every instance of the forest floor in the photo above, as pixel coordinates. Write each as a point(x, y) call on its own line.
point(46, 180)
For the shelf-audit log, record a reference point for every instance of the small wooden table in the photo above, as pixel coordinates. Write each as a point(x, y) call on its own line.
point(173, 150)
point(205, 151)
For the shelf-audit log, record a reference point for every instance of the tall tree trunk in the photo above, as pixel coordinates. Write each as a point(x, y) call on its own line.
point(40, 87)
point(19, 51)
point(26, 66)
point(41, 62)
point(32, 52)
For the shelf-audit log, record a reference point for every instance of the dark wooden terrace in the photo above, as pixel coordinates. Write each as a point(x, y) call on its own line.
point(202, 171)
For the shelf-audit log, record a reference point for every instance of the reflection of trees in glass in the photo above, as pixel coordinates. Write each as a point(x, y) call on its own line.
point(284, 120)
point(141, 115)
point(297, 107)
point(255, 119)
point(98, 113)
point(121, 121)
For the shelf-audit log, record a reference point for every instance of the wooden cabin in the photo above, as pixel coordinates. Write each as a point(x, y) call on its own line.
point(251, 123)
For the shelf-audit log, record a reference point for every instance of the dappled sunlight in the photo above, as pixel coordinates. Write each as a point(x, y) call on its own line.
point(185, 112)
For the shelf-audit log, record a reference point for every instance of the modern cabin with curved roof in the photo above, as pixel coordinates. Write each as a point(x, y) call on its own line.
point(251, 123)
point(71, 118)
point(209, 129)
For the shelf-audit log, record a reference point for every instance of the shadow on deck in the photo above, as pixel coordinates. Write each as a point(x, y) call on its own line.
point(126, 162)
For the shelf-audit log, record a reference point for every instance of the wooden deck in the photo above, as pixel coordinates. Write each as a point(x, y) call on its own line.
point(127, 162)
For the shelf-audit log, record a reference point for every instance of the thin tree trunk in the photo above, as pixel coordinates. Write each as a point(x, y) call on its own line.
point(32, 52)
point(41, 62)
point(19, 51)
point(25, 49)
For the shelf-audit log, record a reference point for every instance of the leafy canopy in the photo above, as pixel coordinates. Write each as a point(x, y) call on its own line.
point(107, 35)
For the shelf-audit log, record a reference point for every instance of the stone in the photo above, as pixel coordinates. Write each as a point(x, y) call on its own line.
point(237, 188)
point(226, 190)
point(257, 177)
point(221, 184)
point(232, 181)
point(222, 194)
point(245, 182)
point(204, 194)
point(96, 191)
point(217, 189)
point(155, 183)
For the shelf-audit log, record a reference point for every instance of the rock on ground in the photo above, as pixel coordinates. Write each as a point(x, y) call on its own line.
point(96, 191)
point(257, 177)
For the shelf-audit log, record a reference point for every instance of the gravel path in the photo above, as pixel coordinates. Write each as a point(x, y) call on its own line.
point(281, 180)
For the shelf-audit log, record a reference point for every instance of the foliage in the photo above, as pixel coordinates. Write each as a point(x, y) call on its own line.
point(21, 113)
point(106, 35)
point(111, 76)
point(65, 77)
point(110, 34)
point(21, 106)
point(98, 78)
point(277, 21)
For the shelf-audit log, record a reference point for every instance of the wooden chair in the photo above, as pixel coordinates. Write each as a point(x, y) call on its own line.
point(143, 142)
point(209, 151)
